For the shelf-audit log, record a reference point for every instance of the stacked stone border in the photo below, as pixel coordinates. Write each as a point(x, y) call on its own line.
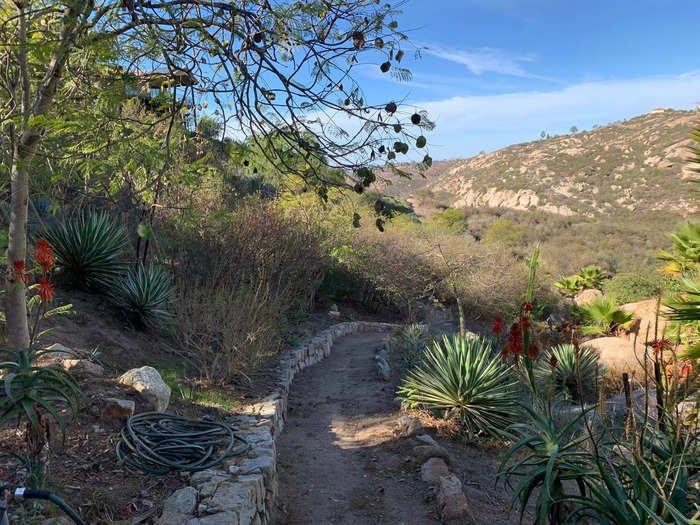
point(243, 489)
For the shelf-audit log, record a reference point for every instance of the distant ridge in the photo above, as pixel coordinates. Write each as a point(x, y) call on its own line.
point(638, 164)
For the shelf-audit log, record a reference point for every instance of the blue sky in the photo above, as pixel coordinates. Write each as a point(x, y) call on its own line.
point(498, 72)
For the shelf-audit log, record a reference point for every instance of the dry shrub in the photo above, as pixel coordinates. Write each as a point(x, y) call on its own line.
point(408, 264)
point(240, 278)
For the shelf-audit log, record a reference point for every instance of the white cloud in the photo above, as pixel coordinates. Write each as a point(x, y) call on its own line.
point(486, 60)
point(588, 101)
point(468, 124)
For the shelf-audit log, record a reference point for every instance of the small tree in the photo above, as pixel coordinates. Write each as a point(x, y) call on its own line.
point(269, 68)
point(573, 129)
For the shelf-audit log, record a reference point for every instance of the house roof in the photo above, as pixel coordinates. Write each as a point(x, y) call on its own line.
point(156, 78)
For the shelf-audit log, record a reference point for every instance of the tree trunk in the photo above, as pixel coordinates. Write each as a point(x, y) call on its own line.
point(26, 140)
point(16, 325)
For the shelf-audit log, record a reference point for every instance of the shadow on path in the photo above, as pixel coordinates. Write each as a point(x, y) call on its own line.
point(340, 458)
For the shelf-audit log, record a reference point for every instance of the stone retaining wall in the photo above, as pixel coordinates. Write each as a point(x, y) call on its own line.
point(243, 489)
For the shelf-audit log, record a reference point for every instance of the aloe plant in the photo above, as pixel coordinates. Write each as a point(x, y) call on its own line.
point(547, 461)
point(602, 317)
point(30, 389)
point(87, 248)
point(464, 377)
point(144, 294)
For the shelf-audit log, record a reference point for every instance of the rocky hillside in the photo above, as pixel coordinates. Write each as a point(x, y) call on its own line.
point(633, 165)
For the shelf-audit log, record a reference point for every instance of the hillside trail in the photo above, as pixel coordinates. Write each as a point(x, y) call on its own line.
point(342, 460)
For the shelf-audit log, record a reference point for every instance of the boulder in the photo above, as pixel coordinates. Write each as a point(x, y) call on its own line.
point(619, 355)
point(147, 381)
point(645, 319)
point(587, 297)
point(432, 470)
point(409, 425)
point(59, 352)
point(117, 411)
point(424, 452)
point(182, 501)
point(82, 367)
point(452, 503)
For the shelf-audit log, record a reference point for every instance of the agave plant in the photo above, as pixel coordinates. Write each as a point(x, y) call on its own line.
point(464, 377)
point(559, 371)
point(144, 294)
point(569, 285)
point(591, 277)
point(87, 248)
point(602, 317)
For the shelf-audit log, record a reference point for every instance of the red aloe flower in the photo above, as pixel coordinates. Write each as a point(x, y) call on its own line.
point(498, 326)
point(515, 339)
point(657, 345)
point(527, 306)
point(43, 254)
point(532, 352)
point(45, 290)
point(553, 362)
point(524, 324)
point(19, 272)
point(504, 353)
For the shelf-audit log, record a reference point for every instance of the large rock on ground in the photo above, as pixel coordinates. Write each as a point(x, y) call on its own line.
point(432, 470)
point(587, 297)
point(147, 381)
point(619, 355)
point(82, 367)
point(452, 503)
point(645, 318)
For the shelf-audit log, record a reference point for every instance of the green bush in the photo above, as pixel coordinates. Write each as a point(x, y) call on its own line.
point(451, 220)
point(630, 287)
point(563, 379)
point(87, 248)
point(465, 378)
point(504, 232)
point(602, 317)
point(143, 294)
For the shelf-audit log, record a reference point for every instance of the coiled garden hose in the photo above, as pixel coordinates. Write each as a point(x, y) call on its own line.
point(161, 443)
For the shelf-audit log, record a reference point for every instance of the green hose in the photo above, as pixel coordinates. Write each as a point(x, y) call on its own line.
point(162, 443)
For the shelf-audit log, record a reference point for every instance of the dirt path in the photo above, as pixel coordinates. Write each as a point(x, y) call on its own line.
point(340, 459)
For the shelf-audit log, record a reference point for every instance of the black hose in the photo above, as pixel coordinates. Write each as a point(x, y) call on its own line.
point(50, 496)
point(161, 443)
